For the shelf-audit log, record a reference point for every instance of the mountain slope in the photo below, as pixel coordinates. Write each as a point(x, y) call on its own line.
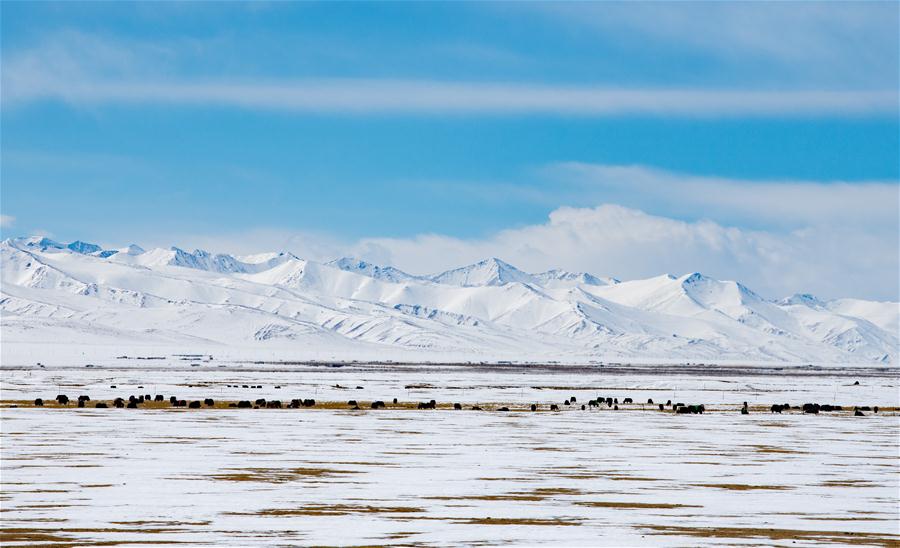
point(279, 303)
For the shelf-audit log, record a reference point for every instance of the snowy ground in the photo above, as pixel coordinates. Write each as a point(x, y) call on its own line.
point(327, 477)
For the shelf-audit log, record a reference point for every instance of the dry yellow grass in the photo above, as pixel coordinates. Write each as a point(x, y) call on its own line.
point(835, 537)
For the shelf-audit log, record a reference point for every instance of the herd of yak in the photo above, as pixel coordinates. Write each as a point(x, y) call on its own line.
point(134, 402)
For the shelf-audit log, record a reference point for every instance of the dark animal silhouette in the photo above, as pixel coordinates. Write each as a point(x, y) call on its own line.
point(593, 403)
point(377, 404)
point(209, 402)
point(101, 405)
point(777, 408)
point(351, 403)
point(628, 400)
point(395, 401)
point(582, 407)
point(62, 399)
point(274, 404)
point(572, 399)
point(457, 406)
point(554, 407)
point(566, 402)
point(503, 409)
point(132, 405)
point(84, 398)
point(244, 404)
point(172, 400)
point(194, 405)
point(39, 402)
point(159, 397)
point(812, 408)
point(309, 403)
point(650, 401)
point(260, 401)
point(533, 407)
point(661, 407)
point(476, 408)
point(858, 413)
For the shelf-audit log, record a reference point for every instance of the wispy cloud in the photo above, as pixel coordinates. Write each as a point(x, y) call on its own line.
point(85, 70)
point(834, 42)
point(7, 221)
point(788, 203)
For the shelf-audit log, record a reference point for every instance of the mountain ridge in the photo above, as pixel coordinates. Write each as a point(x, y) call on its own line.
point(488, 307)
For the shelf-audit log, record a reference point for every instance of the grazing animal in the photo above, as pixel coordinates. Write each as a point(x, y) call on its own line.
point(777, 408)
point(476, 408)
point(101, 405)
point(566, 402)
point(744, 410)
point(457, 406)
point(194, 405)
point(572, 399)
point(159, 397)
point(84, 398)
point(615, 408)
point(182, 403)
point(208, 402)
point(650, 401)
point(112, 386)
point(244, 386)
point(554, 407)
point(533, 407)
point(377, 404)
point(582, 407)
point(359, 387)
point(669, 402)
point(593, 403)
point(351, 403)
point(172, 400)
point(80, 403)
point(811, 408)
point(609, 402)
point(875, 409)
point(132, 405)
point(682, 410)
point(309, 403)
point(826, 407)
point(39, 402)
point(662, 407)
point(858, 413)
point(147, 397)
point(628, 400)
point(856, 383)
point(274, 404)
point(395, 401)
point(62, 399)
point(503, 409)
point(260, 401)
point(244, 404)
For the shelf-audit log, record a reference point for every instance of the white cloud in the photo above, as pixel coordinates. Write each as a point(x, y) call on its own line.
point(832, 261)
point(7, 221)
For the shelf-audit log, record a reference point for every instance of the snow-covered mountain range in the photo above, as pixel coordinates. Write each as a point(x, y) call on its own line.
point(80, 294)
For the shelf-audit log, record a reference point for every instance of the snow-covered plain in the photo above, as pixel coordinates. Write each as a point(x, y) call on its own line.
point(339, 477)
point(77, 302)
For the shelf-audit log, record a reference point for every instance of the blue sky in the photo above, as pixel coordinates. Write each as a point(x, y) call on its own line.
point(424, 134)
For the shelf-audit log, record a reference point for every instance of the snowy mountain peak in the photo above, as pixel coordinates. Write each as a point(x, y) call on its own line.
point(802, 299)
point(387, 273)
point(84, 248)
point(491, 271)
point(564, 277)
